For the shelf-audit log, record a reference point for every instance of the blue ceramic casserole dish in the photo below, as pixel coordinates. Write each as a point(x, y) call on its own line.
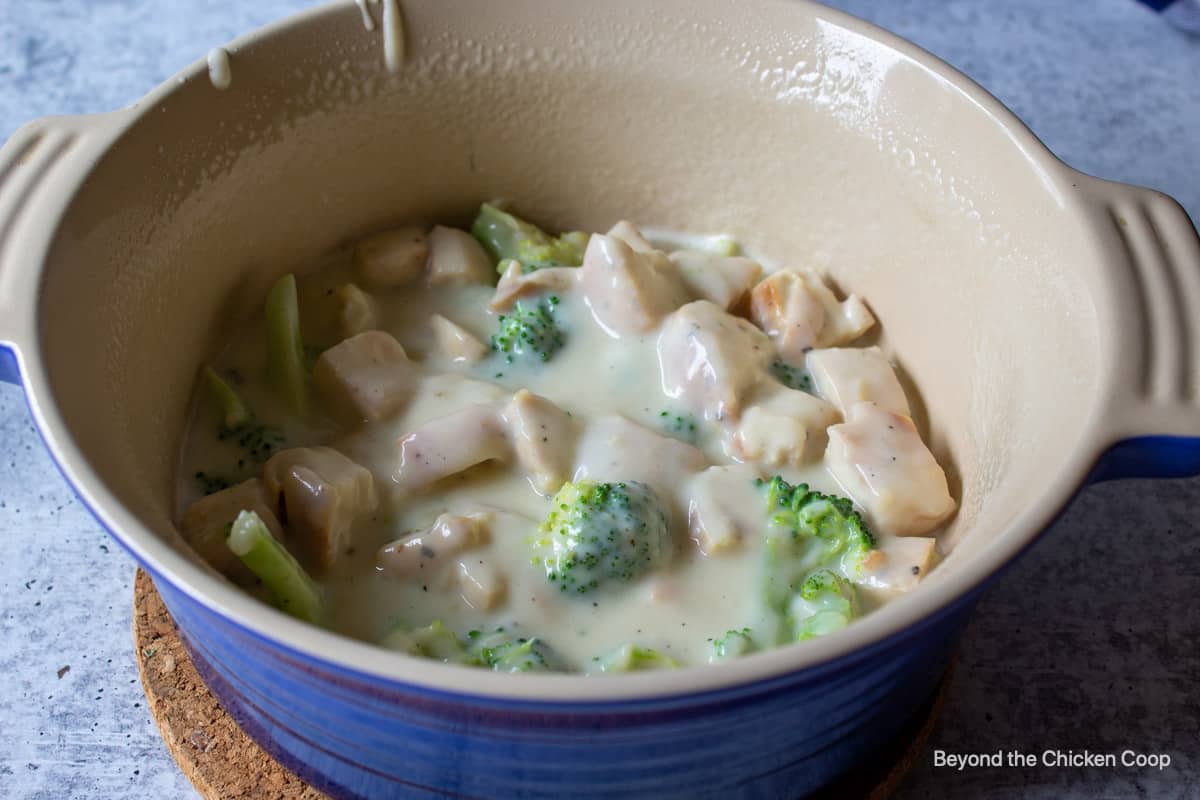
point(1049, 318)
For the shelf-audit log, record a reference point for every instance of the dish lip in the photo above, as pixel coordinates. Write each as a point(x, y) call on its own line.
point(885, 627)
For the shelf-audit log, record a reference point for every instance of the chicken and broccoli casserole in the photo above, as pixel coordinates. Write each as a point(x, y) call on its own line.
point(586, 453)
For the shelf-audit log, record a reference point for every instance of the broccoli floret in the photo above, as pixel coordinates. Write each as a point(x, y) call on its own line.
point(733, 644)
point(434, 641)
point(505, 651)
point(530, 332)
point(824, 523)
point(811, 537)
point(505, 236)
point(631, 658)
point(501, 649)
point(257, 441)
point(680, 426)
point(238, 423)
point(792, 377)
point(599, 533)
point(826, 603)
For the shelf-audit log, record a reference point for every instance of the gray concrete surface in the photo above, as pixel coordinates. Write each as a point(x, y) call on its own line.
point(1089, 643)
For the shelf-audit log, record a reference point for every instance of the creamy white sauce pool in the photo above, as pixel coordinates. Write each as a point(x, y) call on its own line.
point(677, 610)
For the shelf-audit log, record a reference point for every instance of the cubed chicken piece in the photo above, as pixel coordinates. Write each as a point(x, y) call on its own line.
point(848, 375)
point(628, 291)
point(882, 464)
point(451, 444)
point(428, 549)
point(205, 524)
point(799, 312)
point(710, 360)
point(440, 393)
point(457, 259)
point(330, 314)
point(543, 437)
point(724, 507)
point(455, 342)
point(366, 378)
point(515, 284)
point(629, 233)
point(725, 280)
point(483, 587)
point(775, 429)
point(899, 563)
point(612, 448)
point(320, 494)
point(391, 259)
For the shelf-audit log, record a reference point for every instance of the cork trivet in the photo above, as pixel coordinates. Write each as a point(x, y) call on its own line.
point(220, 761)
point(224, 764)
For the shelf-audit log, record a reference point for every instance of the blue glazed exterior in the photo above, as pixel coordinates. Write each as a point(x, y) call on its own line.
point(9, 372)
point(1149, 457)
point(781, 738)
point(353, 734)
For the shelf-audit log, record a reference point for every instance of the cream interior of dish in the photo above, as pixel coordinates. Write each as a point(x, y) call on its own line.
point(821, 147)
point(685, 369)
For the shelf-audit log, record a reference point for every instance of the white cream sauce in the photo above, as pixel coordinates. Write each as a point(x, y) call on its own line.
point(393, 35)
point(367, 20)
point(631, 431)
point(219, 71)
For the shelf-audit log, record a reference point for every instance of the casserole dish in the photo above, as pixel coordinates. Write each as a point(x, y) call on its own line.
point(1071, 304)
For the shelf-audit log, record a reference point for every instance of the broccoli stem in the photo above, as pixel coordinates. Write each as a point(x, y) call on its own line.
point(285, 349)
point(234, 413)
point(506, 237)
point(293, 590)
point(500, 232)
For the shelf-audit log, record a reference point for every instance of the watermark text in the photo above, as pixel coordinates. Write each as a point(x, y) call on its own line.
point(1129, 758)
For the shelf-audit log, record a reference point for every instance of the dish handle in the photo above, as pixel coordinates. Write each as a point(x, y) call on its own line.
point(1150, 418)
point(41, 167)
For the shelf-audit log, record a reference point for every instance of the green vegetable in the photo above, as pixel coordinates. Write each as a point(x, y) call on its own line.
point(501, 650)
point(810, 537)
point(680, 426)
point(233, 411)
point(733, 644)
point(529, 332)
point(826, 603)
point(631, 658)
point(824, 526)
point(286, 364)
point(293, 591)
point(602, 533)
point(505, 236)
point(434, 641)
point(258, 442)
point(504, 651)
point(792, 377)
